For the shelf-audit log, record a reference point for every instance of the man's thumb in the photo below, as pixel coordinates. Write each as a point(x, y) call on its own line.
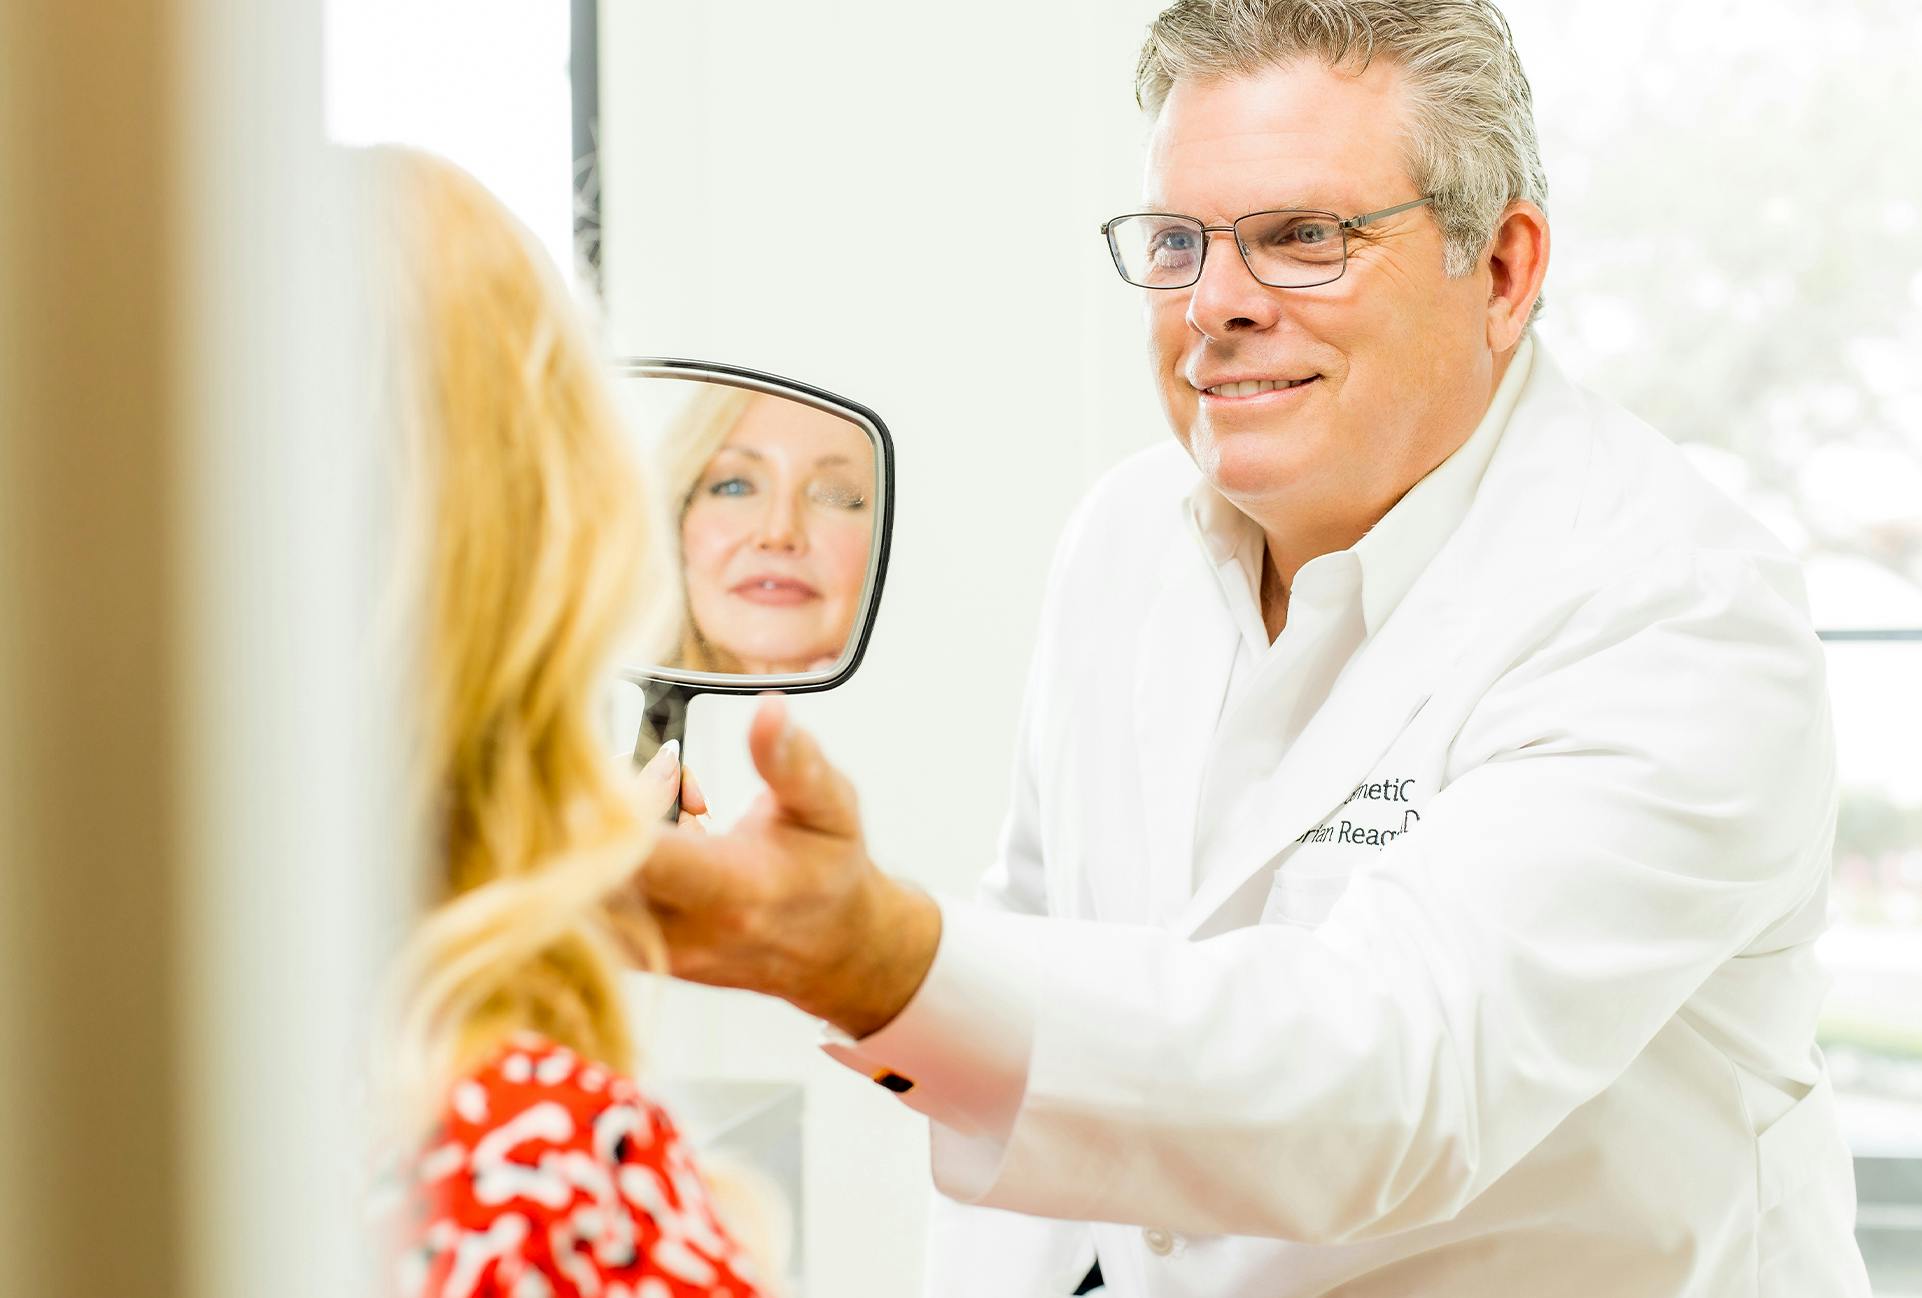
point(808, 790)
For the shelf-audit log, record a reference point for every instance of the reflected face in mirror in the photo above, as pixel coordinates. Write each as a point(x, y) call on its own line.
point(775, 538)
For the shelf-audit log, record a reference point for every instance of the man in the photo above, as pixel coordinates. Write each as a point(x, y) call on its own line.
point(1425, 785)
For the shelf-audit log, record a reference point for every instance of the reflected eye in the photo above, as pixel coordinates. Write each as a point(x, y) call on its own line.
point(730, 487)
point(837, 495)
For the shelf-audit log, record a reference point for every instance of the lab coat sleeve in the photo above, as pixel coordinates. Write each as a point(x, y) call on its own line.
point(1638, 797)
point(975, 1250)
point(973, 1084)
point(923, 1038)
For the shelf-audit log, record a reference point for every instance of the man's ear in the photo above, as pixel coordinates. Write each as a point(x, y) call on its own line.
point(1517, 263)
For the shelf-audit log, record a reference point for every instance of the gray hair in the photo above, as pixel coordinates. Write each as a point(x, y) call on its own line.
point(1472, 117)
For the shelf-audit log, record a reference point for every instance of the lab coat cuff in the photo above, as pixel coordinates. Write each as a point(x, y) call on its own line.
point(959, 1050)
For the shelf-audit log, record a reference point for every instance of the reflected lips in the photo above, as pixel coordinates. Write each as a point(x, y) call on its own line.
point(778, 592)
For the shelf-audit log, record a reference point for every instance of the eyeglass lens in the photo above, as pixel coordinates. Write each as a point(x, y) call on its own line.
point(1282, 249)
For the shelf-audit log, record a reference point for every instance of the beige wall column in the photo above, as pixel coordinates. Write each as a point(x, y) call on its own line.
point(189, 878)
point(89, 731)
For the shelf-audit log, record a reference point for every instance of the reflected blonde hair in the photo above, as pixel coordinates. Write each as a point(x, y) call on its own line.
point(526, 544)
point(697, 432)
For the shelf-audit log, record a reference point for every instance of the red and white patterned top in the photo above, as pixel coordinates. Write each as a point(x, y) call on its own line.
point(550, 1177)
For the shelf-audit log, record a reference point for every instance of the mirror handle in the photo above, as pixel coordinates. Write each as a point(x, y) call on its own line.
point(665, 719)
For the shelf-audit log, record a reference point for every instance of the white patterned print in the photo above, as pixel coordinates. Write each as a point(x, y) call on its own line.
point(470, 1101)
point(478, 1248)
point(545, 1187)
point(555, 1068)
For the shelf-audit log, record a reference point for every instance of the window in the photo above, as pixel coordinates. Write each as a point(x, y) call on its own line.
point(484, 84)
point(1737, 204)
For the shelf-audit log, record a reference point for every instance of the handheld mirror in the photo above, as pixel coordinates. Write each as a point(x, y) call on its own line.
point(782, 500)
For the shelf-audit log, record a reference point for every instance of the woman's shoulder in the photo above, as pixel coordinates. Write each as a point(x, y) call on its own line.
point(532, 1092)
point(551, 1174)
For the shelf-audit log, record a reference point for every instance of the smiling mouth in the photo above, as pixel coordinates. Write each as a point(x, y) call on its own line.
point(1255, 387)
point(775, 591)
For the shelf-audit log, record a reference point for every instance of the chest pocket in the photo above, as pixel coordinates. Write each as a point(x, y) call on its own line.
point(1314, 872)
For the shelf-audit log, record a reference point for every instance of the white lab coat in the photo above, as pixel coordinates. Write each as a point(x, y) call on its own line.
point(1507, 989)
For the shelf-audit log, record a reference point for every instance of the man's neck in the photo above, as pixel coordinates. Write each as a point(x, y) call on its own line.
point(1274, 597)
point(1283, 557)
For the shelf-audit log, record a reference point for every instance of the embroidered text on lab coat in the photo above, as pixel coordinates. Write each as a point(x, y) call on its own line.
point(1389, 791)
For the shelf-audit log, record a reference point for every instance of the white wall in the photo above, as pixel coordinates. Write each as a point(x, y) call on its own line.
point(900, 204)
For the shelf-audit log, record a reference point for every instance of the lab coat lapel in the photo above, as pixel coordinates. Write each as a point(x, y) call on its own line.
point(1186, 651)
point(1371, 704)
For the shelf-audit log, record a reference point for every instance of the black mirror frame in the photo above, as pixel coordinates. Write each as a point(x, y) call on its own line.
point(669, 691)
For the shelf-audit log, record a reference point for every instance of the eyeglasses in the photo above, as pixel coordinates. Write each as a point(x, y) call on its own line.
point(1286, 249)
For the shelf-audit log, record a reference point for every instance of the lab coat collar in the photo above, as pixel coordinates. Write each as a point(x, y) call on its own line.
point(1186, 652)
point(1523, 507)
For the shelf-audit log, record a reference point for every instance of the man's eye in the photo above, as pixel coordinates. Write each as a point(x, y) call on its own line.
point(1307, 234)
point(1172, 246)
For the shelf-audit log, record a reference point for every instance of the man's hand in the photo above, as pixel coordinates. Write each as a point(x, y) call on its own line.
point(788, 903)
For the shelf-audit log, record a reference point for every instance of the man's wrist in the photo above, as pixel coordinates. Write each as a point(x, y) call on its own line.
point(892, 942)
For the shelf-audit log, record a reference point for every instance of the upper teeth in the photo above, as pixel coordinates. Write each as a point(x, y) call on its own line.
point(1248, 387)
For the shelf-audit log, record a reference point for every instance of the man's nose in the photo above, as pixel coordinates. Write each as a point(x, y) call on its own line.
point(1228, 298)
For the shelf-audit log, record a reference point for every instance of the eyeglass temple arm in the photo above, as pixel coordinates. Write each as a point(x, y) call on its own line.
point(1366, 217)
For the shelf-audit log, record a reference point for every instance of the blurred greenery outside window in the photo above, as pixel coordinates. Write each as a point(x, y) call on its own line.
point(1736, 199)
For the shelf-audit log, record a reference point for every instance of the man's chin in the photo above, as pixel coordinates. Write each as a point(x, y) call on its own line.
point(1249, 464)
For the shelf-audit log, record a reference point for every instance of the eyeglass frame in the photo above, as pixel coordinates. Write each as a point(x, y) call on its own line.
point(1201, 262)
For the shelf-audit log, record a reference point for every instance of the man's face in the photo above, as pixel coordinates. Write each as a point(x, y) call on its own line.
point(1395, 352)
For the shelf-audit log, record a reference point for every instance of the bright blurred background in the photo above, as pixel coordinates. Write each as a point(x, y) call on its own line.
point(1736, 197)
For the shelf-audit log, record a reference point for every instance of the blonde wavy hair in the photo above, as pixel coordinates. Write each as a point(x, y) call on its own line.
point(526, 543)
point(527, 548)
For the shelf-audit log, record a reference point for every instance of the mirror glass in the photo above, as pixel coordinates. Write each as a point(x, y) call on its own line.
point(775, 496)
